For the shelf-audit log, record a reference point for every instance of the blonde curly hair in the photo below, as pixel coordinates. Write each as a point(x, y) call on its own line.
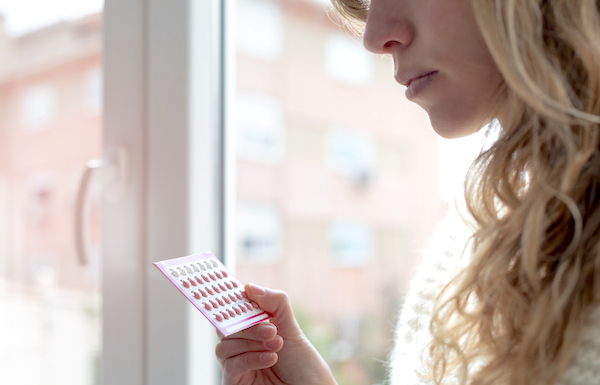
point(515, 314)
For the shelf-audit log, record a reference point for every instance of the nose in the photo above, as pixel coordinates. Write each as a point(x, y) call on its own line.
point(388, 27)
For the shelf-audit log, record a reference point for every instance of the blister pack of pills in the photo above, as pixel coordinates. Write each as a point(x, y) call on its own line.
point(211, 288)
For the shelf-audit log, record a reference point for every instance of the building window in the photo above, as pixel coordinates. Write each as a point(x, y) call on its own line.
point(259, 232)
point(39, 106)
point(350, 243)
point(347, 61)
point(261, 127)
point(92, 91)
point(351, 153)
point(260, 29)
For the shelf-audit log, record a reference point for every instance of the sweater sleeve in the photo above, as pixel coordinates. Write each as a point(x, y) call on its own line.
point(585, 364)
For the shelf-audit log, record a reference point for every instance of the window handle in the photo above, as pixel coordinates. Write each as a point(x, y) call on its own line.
point(111, 172)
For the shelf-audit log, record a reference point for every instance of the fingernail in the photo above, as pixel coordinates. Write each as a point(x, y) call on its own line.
point(265, 331)
point(266, 357)
point(258, 290)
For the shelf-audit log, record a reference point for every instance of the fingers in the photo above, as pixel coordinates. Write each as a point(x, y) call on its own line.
point(251, 349)
point(229, 348)
point(276, 303)
point(259, 338)
point(240, 365)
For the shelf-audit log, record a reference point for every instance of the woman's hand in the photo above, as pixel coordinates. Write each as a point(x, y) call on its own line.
point(272, 352)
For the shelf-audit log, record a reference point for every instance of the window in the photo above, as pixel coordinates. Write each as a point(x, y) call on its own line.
point(260, 29)
point(342, 186)
point(350, 243)
point(261, 127)
point(91, 99)
point(259, 232)
point(51, 325)
point(351, 153)
point(39, 106)
point(169, 102)
point(347, 60)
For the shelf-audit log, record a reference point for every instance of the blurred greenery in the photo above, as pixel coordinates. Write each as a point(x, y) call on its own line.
point(367, 363)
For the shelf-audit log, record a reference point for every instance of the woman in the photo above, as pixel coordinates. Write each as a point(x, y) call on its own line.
point(523, 309)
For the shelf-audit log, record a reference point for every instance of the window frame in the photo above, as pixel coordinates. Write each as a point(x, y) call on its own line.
point(167, 90)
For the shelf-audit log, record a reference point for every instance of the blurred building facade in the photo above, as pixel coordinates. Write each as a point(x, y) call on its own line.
point(336, 178)
point(336, 171)
point(50, 125)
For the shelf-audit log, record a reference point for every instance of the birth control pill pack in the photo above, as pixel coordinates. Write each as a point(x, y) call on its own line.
point(214, 291)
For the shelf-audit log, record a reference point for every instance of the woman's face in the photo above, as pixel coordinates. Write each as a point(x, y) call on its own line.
point(441, 58)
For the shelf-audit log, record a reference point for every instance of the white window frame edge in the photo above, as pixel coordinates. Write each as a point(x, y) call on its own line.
point(160, 62)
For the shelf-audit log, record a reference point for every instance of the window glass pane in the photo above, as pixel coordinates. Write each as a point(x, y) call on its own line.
point(347, 60)
point(259, 232)
point(337, 183)
point(38, 107)
point(351, 153)
point(50, 125)
point(261, 126)
point(260, 29)
point(350, 243)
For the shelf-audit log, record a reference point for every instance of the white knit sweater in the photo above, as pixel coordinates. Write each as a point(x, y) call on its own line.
point(412, 332)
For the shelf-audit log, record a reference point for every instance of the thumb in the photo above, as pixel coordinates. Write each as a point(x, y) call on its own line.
point(278, 305)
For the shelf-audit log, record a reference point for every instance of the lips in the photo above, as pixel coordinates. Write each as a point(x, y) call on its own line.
point(415, 82)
